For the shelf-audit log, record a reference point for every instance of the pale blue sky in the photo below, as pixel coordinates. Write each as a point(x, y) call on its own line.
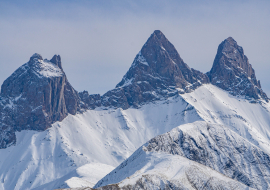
point(98, 39)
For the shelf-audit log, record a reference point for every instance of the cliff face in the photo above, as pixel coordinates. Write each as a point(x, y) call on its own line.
point(232, 72)
point(36, 95)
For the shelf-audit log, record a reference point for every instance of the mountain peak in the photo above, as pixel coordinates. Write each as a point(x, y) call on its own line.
point(232, 71)
point(56, 59)
point(158, 39)
point(157, 72)
point(230, 39)
point(159, 58)
point(36, 55)
point(158, 34)
point(36, 95)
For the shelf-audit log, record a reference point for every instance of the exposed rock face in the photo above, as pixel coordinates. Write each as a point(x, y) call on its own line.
point(232, 72)
point(90, 101)
point(157, 72)
point(36, 95)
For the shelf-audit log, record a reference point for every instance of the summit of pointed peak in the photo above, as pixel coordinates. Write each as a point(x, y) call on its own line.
point(232, 71)
point(56, 59)
point(36, 55)
point(158, 38)
point(230, 45)
point(159, 34)
point(230, 39)
point(157, 72)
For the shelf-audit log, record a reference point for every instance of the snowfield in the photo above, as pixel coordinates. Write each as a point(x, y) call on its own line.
point(45, 160)
point(249, 118)
point(81, 149)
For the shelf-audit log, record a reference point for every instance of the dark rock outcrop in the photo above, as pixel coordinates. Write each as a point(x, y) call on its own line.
point(157, 72)
point(90, 101)
point(232, 72)
point(36, 95)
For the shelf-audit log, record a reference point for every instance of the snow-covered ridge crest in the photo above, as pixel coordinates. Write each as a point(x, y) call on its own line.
point(214, 146)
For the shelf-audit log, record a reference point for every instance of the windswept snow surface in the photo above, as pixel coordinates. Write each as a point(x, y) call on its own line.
point(45, 160)
point(249, 118)
point(161, 164)
point(175, 158)
point(89, 175)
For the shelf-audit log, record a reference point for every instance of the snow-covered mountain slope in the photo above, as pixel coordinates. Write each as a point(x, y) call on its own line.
point(249, 118)
point(49, 158)
point(175, 160)
point(45, 160)
point(85, 176)
point(247, 123)
point(89, 175)
point(151, 170)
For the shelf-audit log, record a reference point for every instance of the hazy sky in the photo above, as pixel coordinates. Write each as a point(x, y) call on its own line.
point(98, 39)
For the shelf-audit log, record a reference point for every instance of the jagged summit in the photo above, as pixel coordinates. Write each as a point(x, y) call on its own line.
point(57, 61)
point(36, 55)
point(232, 71)
point(36, 95)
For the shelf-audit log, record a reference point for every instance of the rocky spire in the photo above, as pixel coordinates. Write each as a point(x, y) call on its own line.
point(157, 72)
point(36, 95)
point(57, 61)
point(158, 58)
point(232, 72)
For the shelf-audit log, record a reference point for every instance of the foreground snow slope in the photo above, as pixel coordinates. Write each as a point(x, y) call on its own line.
point(85, 176)
point(166, 160)
point(151, 170)
point(45, 160)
